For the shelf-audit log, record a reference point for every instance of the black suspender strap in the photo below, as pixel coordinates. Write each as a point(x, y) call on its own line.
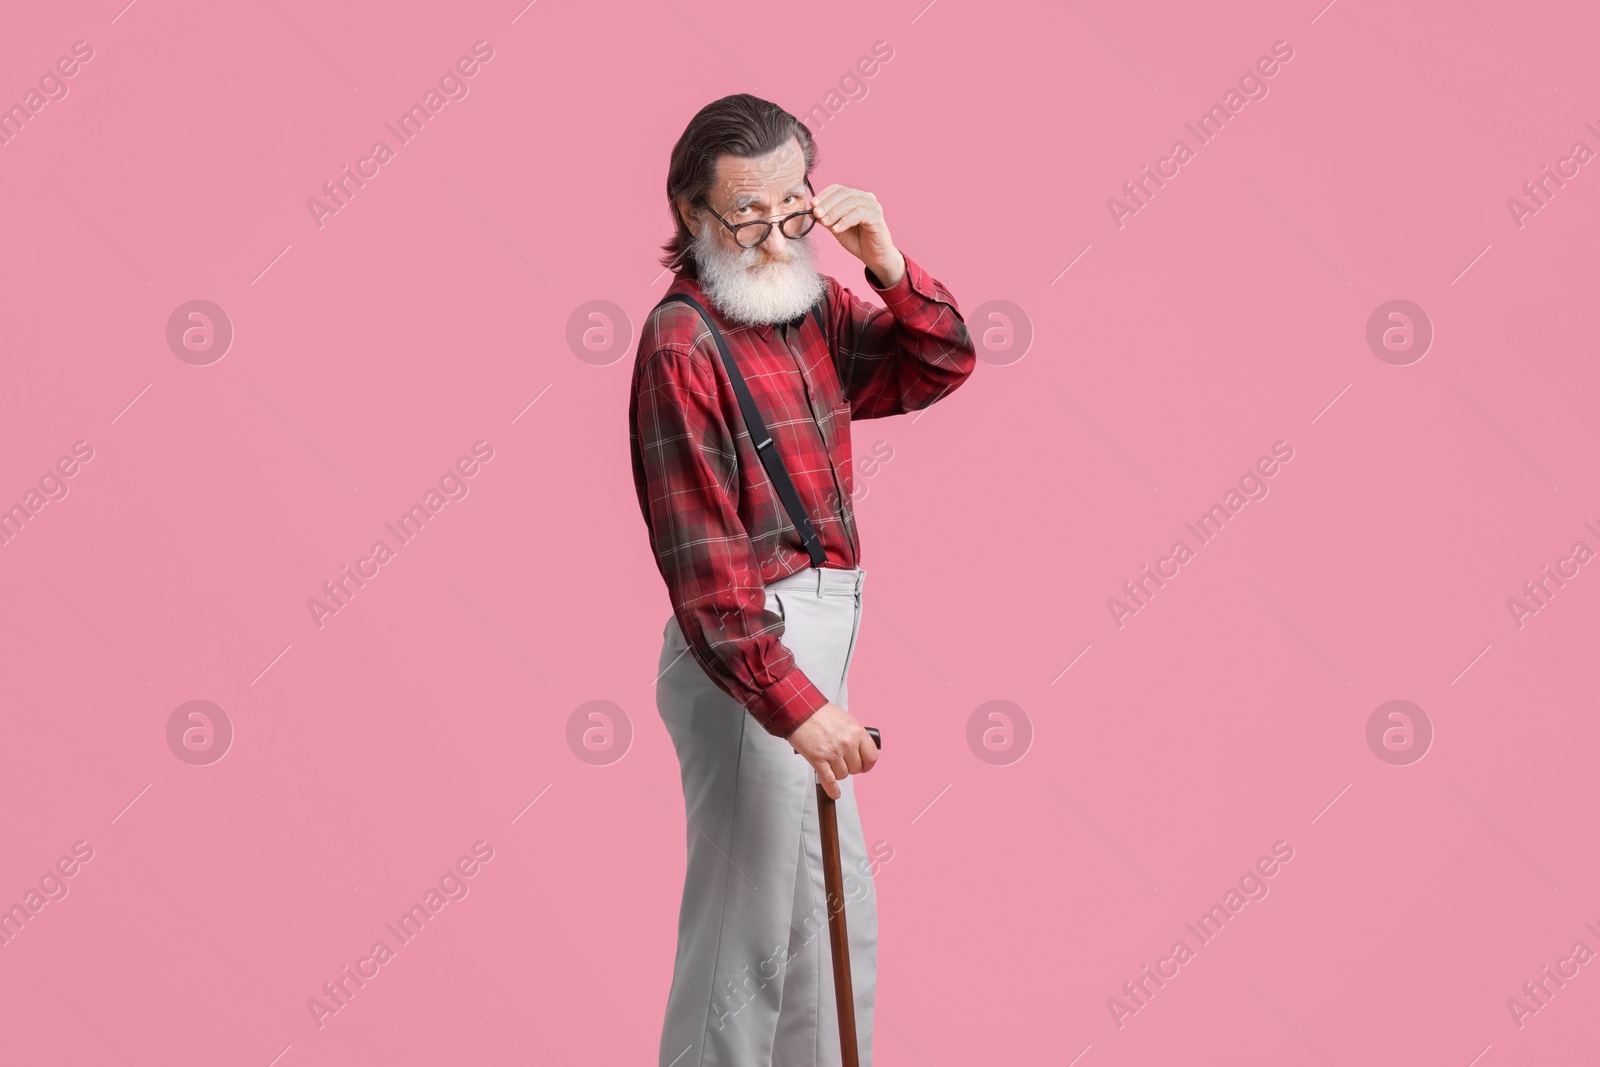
point(765, 448)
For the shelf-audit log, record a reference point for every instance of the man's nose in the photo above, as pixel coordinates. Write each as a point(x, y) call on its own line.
point(776, 242)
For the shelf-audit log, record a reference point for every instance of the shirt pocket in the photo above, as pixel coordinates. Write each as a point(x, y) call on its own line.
point(836, 412)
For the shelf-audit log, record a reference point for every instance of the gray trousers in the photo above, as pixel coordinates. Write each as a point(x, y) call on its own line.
point(753, 980)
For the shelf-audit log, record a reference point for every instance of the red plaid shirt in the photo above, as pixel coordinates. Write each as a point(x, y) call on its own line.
point(717, 528)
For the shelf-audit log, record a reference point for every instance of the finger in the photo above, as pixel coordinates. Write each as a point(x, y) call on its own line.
point(825, 775)
point(841, 770)
point(869, 753)
point(828, 195)
point(828, 190)
point(852, 759)
point(837, 204)
point(851, 219)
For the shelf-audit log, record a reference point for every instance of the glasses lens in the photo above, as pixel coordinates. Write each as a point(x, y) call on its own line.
point(799, 225)
point(752, 234)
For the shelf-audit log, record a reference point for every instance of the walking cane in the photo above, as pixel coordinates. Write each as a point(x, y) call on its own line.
point(838, 937)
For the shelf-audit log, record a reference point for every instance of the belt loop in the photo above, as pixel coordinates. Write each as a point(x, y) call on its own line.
point(819, 583)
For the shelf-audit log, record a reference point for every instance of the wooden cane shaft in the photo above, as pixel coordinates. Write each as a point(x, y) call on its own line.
point(838, 935)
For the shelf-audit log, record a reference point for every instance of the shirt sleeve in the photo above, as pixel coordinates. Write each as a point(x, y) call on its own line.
point(903, 356)
point(690, 478)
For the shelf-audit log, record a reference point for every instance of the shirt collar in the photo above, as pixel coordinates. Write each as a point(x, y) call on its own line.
point(765, 330)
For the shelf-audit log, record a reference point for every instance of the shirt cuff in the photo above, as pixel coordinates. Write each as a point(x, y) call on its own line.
point(903, 294)
point(788, 702)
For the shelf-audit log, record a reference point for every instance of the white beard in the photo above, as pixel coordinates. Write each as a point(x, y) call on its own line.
point(749, 287)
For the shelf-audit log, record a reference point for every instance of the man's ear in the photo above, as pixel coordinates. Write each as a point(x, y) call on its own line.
point(685, 211)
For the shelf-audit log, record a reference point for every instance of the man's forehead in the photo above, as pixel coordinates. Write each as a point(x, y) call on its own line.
point(781, 169)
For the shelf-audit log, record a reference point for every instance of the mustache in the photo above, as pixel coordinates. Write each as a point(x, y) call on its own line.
point(762, 253)
point(757, 258)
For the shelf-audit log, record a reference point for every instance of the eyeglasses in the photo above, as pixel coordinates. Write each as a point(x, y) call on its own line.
point(751, 234)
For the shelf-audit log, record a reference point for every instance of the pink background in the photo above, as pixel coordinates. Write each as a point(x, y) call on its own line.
point(1229, 313)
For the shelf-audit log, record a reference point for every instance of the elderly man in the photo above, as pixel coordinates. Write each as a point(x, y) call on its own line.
point(756, 541)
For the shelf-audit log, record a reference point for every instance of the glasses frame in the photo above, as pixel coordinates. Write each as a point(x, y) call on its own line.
point(769, 224)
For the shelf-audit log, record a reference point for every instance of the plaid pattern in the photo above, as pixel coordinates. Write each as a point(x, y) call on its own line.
point(717, 528)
